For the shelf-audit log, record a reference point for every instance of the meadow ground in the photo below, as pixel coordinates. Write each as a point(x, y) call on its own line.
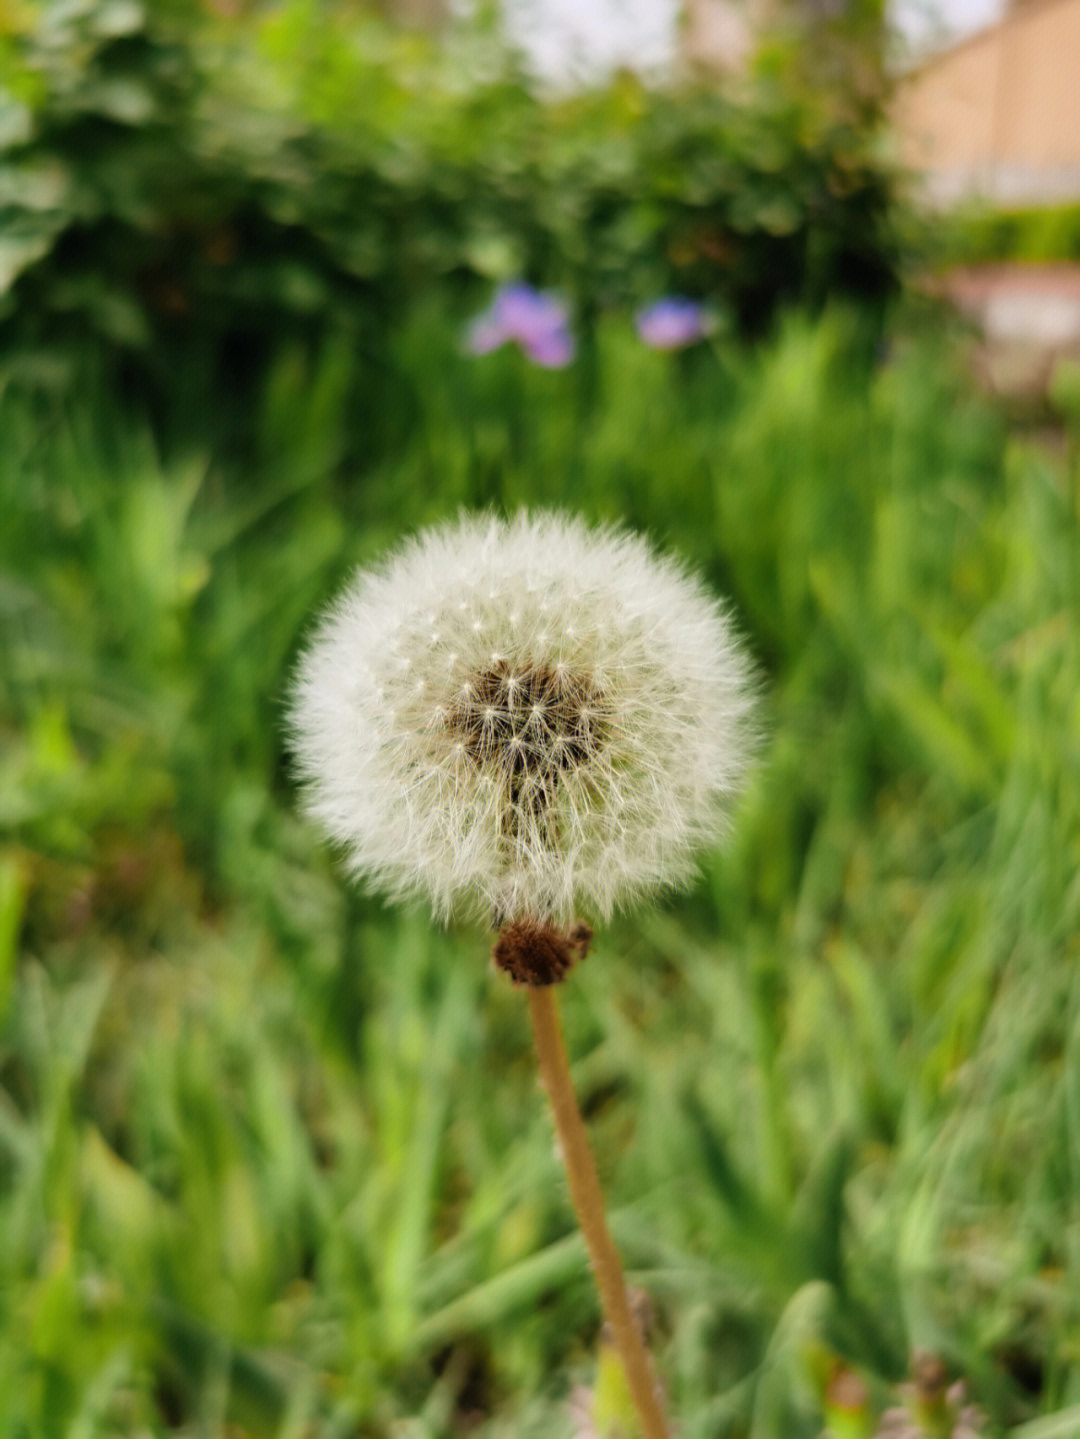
point(273, 1159)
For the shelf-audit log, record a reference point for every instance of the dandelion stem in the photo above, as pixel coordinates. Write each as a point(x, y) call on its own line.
point(589, 1203)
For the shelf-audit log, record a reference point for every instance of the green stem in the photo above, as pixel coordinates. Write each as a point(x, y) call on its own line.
point(589, 1203)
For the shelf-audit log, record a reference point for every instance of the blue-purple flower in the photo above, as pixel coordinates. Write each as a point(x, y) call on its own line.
point(538, 322)
point(672, 323)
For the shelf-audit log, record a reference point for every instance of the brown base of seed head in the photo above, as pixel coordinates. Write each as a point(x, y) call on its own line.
point(533, 952)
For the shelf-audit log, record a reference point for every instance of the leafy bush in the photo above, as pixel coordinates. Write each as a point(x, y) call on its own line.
point(187, 193)
point(983, 235)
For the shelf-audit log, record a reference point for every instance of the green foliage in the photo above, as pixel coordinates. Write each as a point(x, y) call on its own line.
point(272, 1160)
point(184, 194)
point(980, 235)
point(272, 1157)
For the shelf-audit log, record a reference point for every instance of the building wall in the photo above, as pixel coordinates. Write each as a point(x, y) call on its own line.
point(999, 114)
point(717, 36)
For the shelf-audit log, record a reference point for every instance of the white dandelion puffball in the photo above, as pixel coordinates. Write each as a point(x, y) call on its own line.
point(522, 718)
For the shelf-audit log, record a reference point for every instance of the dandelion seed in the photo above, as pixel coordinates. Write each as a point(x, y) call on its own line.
point(596, 666)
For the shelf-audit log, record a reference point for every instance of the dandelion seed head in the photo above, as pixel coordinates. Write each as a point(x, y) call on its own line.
point(523, 719)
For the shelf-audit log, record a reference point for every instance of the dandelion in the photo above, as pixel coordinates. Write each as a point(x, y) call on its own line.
point(523, 719)
point(528, 719)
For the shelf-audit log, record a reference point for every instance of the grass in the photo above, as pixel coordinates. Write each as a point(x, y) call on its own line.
point(273, 1160)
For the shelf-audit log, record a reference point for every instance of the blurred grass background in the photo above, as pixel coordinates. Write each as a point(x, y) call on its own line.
point(273, 1159)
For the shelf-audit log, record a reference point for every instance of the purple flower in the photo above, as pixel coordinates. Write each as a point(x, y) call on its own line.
point(484, 335)
point(552, 351)
point(527, 313)
point(672, 323)
point(537, 322)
